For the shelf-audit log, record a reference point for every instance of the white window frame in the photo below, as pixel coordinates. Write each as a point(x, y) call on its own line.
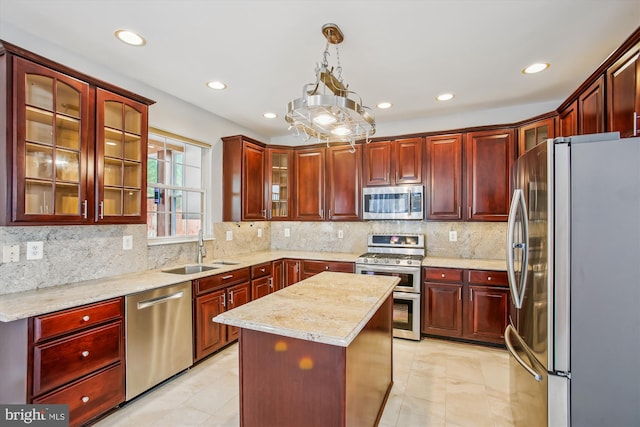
point(205, 187)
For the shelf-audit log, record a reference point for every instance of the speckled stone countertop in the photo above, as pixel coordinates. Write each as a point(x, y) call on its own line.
point(21, 305)
point(330, 308)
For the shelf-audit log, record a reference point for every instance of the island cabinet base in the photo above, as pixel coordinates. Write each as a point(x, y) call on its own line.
point(291, 382)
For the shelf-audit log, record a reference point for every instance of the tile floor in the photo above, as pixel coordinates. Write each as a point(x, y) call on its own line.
point(436, 383)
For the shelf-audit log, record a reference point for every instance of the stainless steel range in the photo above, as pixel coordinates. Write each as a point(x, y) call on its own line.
point(398, 255)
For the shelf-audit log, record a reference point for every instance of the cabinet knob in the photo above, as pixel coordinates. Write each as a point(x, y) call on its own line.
point(85, 399)
point(489, 278)
point(85, 353)
point(85, 318)
point(326, 267)
point(263, 270)
point(443, 275)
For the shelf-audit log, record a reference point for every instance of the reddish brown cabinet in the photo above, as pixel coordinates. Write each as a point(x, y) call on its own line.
point(591, 116)
point(343, 183)
point(444, 177)
point(393, 162)
point(313, 267)
point(278, 183)
point(489, 156)
point(243, 179)
point(535, 133)
point(75, 147)
point(291, 271)
point(76, 357)
point(261, 280)
point(214, 295)
point(568, 120)
point(309, 184)
point(623, 94)
point(465, 304)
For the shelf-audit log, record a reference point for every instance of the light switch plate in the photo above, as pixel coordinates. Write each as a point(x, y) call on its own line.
point(127, 243)
point(287, 232)
point(259, 232)
point(340, 234)
point(11, 253)
point(35, 250)
point(453, 236)
point(229, 235)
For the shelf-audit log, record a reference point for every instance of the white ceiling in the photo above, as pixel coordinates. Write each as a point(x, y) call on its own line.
point(405, 52)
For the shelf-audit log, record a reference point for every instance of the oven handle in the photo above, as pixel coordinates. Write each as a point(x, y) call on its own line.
point(406, 295)
point(386, 269)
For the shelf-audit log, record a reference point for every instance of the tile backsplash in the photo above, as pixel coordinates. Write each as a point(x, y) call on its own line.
point(77, 253)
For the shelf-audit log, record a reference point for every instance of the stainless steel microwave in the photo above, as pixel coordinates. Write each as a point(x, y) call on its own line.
point(397, 202)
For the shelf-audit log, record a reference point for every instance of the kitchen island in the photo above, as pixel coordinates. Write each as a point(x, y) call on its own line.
point(317, 353)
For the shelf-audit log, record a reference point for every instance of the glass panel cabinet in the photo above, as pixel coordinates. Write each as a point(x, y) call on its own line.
point(279, 179)
point(51, 146)
point(72, 148)
point(121, 147)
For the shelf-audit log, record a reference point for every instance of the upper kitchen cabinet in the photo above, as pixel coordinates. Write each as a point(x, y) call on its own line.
point(57, 144)
point(489, 156)
point(343, 183)
point(591, 109)
point(623, 94)
point(395, 162)
point(243, 179)
point(278, 186)
point(444, 177)
point(309, 184)
point(121, 153)
point(568, 120)
point(535, 133)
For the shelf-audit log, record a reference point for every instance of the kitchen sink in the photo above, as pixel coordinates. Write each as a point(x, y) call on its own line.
point(190, 269)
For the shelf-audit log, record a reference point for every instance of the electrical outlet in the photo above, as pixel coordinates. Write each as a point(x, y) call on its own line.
point(35, 250)
point(229, 235)
point(11, 253)
point(127, 243)
point(259, 232)
point(287, 232)
point(453, 236)
point(340, 234)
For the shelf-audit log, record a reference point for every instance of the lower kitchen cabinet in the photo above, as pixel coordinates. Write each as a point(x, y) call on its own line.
point(261, 280)
point(291, 271)
point(465, 304)
point(214, 295)
point(76, 357)
point(313, 267)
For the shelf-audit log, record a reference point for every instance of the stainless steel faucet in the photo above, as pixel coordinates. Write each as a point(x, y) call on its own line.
point(202, 252)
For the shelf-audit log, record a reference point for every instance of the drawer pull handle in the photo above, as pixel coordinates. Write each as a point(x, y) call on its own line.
point(442, 274)
point(489, 278)
point(227, 277)
point(326, 267)
point(85, 318)
point(262, 269)
point(85, 353)
point(85, 399)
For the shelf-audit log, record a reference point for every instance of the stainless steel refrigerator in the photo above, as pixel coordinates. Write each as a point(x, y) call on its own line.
point(573, 255)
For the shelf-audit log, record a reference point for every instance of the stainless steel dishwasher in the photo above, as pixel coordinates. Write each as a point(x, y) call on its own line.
point(159, 340)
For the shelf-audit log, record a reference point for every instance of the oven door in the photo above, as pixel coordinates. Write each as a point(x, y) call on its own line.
point(409, 276)
point(406, 315)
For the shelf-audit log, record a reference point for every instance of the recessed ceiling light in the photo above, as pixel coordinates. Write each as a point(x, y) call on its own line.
point(536, 68)
point(444, 97)
point(270, 115)
point(384, 105)
point(130, 38)
point(217, 85)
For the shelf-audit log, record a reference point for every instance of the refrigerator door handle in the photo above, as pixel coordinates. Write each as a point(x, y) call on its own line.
point(517, 290)
point(514, 354)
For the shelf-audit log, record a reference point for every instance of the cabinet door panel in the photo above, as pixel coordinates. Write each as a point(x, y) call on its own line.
point(444, 177)
point(442, 310)
point(237, 295)
point(623, 99)
point(568, 120)
point(279, 180)
point(343, 183)
point(489, 158)
point(309, 182)
point(408, 161)
point(487, 315)
point(253, 182)
point(377, 163)
point(291, 271)
point(591, 108)
point(210, 335)
point(260, 287)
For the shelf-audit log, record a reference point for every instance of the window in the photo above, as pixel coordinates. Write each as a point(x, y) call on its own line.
point(175, 186)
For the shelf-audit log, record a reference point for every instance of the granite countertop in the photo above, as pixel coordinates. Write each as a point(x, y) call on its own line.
point(330, 308)
point(21, 305)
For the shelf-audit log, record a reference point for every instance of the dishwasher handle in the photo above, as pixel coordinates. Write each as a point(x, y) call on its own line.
point(159, 300)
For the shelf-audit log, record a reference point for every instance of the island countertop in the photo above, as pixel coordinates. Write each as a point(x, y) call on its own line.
point(330, 308)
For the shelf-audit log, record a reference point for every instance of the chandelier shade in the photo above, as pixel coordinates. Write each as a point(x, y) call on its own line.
point(328, 110)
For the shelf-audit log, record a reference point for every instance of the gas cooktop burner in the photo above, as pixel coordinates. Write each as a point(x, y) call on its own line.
point(395, 249)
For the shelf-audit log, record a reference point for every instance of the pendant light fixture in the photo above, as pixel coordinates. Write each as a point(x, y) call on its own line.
point(328, 110)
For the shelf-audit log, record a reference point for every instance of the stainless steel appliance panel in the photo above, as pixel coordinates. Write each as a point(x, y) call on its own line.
point(406, 315)
point(396, 202)
point(409, 276)
point(159, 339)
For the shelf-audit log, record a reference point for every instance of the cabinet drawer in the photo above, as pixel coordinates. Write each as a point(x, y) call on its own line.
point(220, 280)
point(488, 277)
point(261, 270)
point(64, 360)
point(443, 274)
point(314, 267)
point(90, 396)
point(52, 325)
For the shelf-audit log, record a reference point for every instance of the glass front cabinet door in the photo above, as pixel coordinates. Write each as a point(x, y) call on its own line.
point(51, 150)
point(121, 151)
